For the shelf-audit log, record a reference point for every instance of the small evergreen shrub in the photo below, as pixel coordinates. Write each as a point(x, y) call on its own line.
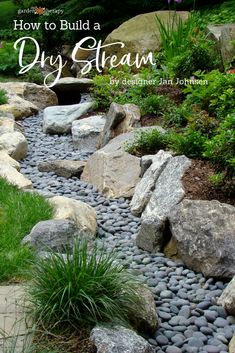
point(147, 142)
point(221, 148)
point(190, 143)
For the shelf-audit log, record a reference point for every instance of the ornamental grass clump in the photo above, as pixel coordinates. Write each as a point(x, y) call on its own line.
point(78, 290)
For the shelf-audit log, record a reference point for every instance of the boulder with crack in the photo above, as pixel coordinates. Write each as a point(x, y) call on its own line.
point(119, 119)
point(164, 190)
point(146, 185)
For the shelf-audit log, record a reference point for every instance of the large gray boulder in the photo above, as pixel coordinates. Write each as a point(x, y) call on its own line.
point(164, 190)
point(224, 36)
point(118, 339)
point(64, 168)
point(204, 236)
point(86, 132)
point(145, 187)
point(227, 299)
point(168, 190)
point(58, 119)
point(113, 171)
point(119, 120)
point(56, 235)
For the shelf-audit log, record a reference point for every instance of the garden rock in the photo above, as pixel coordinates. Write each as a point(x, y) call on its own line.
point(119, 119)
point(83, 215)
point(145, 317)
point(71, 84)
point(232, 345)
point(223, 35)
point(15, 144)
point(118, 339)
point(58, 119)
point(168, 190)
point(63, 168)
point(25, 99)
point(151, 235)
point(6, 125)
point(164, 190)
point(6, 159)
point(145, 187)
point(14, 177)
point(204, 234)
point(86, 132)
point(107, 169)
point(145, 163)
point(56, 235)
point(227, 299)
point(140, 34)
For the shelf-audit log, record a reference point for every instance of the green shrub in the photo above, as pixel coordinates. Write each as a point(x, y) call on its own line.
point(34, 75)
point(3, 97)
point(177, 116)
point(190, 143)
point(221, 148)
point(197, 56)
point(147, 142)
point(217, 97)
point(82, 288)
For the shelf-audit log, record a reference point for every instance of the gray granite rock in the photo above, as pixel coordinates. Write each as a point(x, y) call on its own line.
point(227, 299)
point(145, 187)
point(58, 119)
point(108, 339)
point(86, 132)
point(204, 234)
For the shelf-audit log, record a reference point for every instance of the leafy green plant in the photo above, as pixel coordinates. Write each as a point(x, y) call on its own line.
point(82, 288)
point(217, 179)
point(146, 142)
point(217, 97)
point(221, 148)
point(34, 75)
point(3, 97)
point(197, 56)
point(190, 143)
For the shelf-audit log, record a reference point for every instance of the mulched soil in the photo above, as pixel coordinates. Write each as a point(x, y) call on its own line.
point(173, 92)
point(79, 343)
point(198, 187)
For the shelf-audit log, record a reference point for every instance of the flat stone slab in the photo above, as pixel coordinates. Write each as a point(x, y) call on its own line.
point(15, 324)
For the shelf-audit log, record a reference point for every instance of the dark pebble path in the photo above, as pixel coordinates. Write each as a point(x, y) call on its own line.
point(190, 320)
